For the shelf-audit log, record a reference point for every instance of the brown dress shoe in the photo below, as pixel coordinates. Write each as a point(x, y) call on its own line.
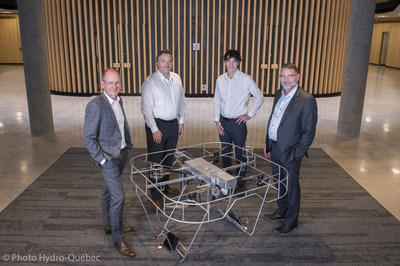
point(126, 229)
point(124, 249)
point(171, 190)
point(157, 203)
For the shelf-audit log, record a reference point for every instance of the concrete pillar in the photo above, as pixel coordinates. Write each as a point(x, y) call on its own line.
point(33, 44)
point(359, 38)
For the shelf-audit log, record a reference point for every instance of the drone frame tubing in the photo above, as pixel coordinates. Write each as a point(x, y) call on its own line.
point(268, 181)
point(203, 205)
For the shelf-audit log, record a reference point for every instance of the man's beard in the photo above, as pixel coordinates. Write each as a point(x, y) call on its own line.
point(289, 88)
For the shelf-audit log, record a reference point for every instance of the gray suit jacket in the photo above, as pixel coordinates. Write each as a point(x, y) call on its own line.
point(101, 134)
point(297, 128)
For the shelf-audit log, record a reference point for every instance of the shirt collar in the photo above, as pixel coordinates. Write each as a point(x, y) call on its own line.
point(164, 78)
point(111, 100)
point(235, 76)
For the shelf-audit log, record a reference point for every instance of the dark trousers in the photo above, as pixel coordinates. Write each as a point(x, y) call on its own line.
point(113, 197)
point(289, 205)
point(235, 134)
point(170, 132)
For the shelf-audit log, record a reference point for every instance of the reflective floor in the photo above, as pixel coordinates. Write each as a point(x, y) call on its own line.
point(373, 159)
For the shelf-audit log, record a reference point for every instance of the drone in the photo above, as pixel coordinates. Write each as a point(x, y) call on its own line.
point(208, 191)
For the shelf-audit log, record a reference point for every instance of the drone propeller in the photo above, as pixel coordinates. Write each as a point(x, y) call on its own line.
point(250, 177)
point(181, 170)
point(258, 178)
point(149, 163)
point(200, 190)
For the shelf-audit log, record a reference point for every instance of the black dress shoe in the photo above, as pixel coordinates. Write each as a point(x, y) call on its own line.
point(126, 229)
point(273, 217)
point(124, 249)
point(284, 229)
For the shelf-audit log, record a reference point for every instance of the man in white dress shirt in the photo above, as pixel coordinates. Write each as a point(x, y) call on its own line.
point(231, 98)
point(163, 107)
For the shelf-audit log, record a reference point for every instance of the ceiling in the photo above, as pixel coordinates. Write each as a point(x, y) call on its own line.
point(8, 11)
point(395, 14)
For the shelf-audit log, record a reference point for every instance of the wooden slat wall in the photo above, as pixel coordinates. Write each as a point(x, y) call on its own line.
point(86, 36)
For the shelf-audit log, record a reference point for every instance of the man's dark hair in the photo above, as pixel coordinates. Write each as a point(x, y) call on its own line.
point(165, 51)
point(290, 66)
point(232, 54)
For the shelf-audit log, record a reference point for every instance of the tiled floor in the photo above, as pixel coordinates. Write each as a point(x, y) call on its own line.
point(373, 159)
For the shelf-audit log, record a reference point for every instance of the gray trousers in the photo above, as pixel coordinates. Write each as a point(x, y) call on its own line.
point(113, 198)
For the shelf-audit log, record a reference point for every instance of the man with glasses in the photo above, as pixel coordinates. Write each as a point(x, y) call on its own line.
point(232, 95)
point(107, 138)
point(291, 130)
point(163, 106)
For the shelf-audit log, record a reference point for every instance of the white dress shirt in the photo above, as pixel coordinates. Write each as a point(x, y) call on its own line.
point(232, 96)
point(119, 115)
point(279, 110)
point(162, 98)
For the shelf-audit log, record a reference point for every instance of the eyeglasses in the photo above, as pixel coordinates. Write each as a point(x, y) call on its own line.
point(117, 83)
point(288, 76)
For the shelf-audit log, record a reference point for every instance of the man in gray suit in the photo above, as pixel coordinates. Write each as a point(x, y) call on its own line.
point(291, 131)
point(107, 138)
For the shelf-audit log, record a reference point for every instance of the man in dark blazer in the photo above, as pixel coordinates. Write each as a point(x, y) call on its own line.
point(107, 138)
point(291, 130)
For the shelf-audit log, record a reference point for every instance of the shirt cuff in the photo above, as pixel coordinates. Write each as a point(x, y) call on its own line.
point(252, 115)
point(154, 129)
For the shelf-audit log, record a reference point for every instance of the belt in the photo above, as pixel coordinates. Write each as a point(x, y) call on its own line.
point(166, 121)
point(228, 119)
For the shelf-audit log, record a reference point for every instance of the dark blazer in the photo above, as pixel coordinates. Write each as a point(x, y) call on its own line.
point(101, 134)
point(297, 128)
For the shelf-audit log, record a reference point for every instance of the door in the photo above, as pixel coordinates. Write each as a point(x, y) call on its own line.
point(10, 42)
point(384, 48)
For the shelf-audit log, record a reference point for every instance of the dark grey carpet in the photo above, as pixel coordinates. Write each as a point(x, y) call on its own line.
point(59, 217)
